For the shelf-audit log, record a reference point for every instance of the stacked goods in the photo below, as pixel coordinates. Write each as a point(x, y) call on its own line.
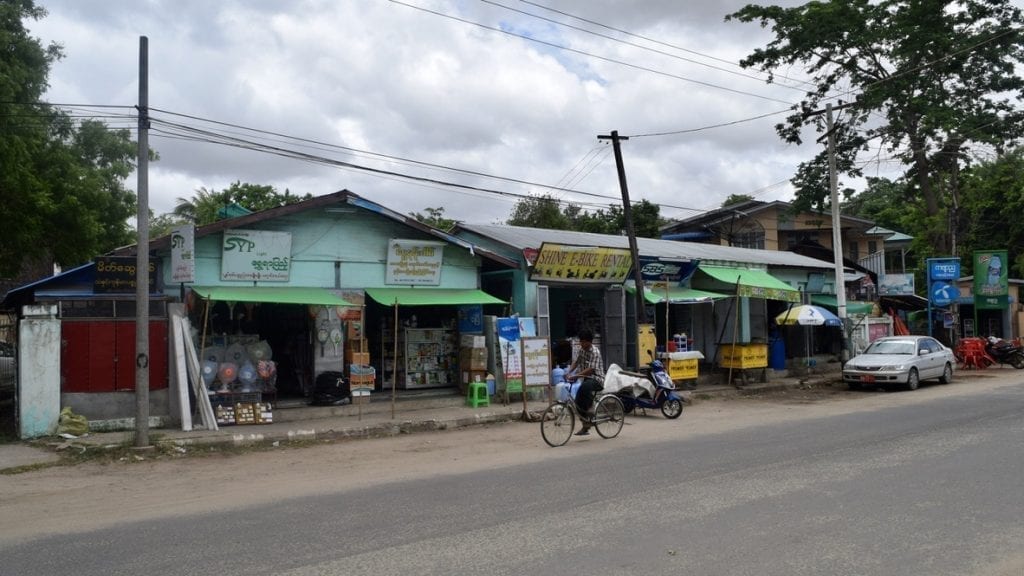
point(245, 413)
point(472, 360)
point(361, 375)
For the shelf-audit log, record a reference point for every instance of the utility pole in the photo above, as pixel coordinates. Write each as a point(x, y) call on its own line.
point(837, 239)
point(627, 212)
point(142, 258)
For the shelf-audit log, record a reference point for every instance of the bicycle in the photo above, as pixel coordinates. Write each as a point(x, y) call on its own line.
point(559, 419)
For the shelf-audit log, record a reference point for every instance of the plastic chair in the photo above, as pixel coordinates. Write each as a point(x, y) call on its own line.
point(477, 395)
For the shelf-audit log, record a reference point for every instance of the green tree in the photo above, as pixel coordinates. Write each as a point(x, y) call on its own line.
point(928, 78)
point(539, 212)
point(62, 184)
point(992, 202)
point(734, 199)
point(434, 217)
point(546, 212)
point(205, 206)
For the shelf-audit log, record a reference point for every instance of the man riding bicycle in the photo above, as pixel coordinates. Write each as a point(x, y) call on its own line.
point(590, 368)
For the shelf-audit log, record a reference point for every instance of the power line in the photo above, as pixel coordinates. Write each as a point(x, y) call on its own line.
point(590, 55)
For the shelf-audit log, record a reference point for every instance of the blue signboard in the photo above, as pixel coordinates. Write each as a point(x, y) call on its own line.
point(508, 328)
point(471, 319)
point(942, 276)
point(666, 270)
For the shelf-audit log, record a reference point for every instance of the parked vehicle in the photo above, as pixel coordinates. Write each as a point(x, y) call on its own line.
point(650, 388)
point(1004, 352)
point(904, 360)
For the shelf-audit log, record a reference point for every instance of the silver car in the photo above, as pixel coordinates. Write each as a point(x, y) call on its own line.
point(904, 360)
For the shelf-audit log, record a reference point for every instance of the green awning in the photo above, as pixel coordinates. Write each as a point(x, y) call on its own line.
point(677, 295)
point(753, 283)
point(430, 296)
point(275, 294)
point(852, 307)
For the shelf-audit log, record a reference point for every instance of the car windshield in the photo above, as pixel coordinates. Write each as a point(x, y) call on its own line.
point(891, 347)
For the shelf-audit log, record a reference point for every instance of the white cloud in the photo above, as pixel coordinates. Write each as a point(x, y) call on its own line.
point(399, 81)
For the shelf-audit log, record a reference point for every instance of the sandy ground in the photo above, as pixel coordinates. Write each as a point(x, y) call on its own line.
point(88, 496)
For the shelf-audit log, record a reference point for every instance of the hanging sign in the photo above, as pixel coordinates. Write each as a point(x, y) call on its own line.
point(414, 262)
point(991, 283)
point(892, 284)
point(183, 253)
point(256, 255)
point(568, 264)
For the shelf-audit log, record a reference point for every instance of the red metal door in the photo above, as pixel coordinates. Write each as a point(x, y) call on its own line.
point(99, 356)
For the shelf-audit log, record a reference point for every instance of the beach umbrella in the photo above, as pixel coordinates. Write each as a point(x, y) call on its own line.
point(807, 315)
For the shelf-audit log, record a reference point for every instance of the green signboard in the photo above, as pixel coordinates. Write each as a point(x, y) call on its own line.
point(991, 284)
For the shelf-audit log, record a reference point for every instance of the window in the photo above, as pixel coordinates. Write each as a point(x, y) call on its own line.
point(872, 246)
point(854, 251)
point(749, 240)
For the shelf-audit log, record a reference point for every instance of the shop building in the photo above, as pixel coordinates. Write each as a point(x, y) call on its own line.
point(728, 299)
point(324, 287)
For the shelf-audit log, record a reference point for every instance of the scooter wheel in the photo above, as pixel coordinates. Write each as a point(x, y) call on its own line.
point(672, 408)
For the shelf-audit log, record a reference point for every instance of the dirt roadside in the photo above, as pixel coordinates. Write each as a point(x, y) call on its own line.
point(76, 498)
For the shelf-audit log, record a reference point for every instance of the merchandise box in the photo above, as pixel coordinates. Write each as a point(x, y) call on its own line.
point(245, 413)
point(354, 330)
point(473, 359)
point(352, 357)
point(744, 356)
point(474, 376)
point(360, 396)
point(472, 341)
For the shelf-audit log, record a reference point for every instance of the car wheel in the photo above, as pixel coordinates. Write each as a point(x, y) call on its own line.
point(913, 379)
point(947, 374)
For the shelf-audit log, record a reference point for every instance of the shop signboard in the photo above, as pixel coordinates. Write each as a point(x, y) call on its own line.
point(536, 354)
point(942, 276)
point(666, 270)
point(571, 264)
point(116, 274)
point(414, 262)
point(256, 255)
point(991, 282)
point(183, 253)
point(895, 284)
point(471, 318)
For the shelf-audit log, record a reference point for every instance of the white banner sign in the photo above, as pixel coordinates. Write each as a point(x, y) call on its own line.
point(256, 255)
point(183, 253)
point(414, 262)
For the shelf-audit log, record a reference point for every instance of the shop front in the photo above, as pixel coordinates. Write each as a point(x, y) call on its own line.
point(742, 324)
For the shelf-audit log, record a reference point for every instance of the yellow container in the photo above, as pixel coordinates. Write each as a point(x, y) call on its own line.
point(744, 356)
point(682, 369)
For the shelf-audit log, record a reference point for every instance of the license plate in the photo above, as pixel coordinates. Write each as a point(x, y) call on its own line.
point(867, 378)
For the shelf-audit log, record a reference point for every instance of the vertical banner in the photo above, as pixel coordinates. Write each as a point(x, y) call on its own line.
point(183, 253)
point(942, 276)
point(991, 282)
point(509, 348)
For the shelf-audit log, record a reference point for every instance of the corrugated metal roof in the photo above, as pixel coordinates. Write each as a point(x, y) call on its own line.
point(520, 237)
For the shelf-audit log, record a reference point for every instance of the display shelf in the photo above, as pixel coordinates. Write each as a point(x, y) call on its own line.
point(429, 357)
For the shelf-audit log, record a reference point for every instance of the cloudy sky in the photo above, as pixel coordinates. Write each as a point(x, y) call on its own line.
point(501, 96)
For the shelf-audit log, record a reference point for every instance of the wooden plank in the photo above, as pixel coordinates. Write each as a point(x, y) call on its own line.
point(195, 372)
point(180, 373)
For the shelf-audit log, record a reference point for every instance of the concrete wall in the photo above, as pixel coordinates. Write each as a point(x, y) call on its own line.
point(39, 360)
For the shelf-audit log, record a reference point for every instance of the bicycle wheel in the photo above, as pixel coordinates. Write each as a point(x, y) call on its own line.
point(609, 416)
point(556, 424)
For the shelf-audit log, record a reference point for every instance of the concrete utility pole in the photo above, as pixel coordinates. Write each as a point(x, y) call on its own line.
point(837, 239)
point(142, 258)
point(627, 212)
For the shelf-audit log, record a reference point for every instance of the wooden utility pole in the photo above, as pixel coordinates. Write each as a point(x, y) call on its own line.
point(627, 212)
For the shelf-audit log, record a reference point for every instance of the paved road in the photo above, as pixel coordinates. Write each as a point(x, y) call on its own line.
point(917, 483)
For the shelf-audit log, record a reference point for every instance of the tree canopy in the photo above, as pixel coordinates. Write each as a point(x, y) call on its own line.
point(434, 217)
point(546, 211)
point(206, 205)
point(920, 81)
point(62, 182)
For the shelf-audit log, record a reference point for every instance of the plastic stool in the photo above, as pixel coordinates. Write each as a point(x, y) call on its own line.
point(477, 395)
